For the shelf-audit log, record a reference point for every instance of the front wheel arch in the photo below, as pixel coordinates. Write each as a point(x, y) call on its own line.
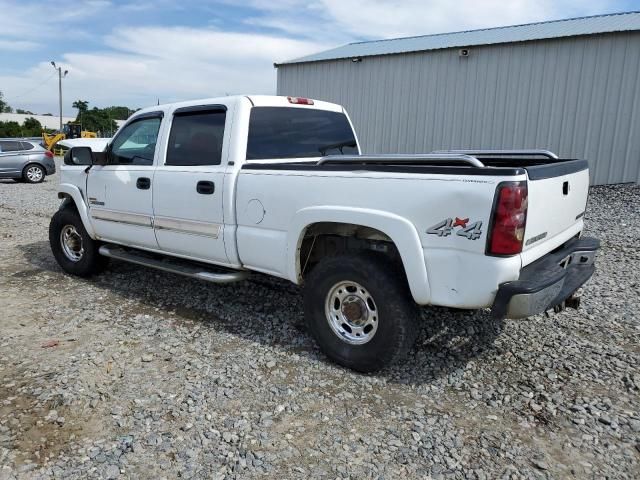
point(71, 193)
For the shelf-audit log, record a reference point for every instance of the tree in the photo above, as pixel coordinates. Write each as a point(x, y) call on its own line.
point(10, 129)
point(82, 106)
point(24, 112)
point(119, 113)
point(31, 128)
point(98, 120)
point(4, 106)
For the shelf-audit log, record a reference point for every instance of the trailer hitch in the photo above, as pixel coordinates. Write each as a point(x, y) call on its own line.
point(572, 302)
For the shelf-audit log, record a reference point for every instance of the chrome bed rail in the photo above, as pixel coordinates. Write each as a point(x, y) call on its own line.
point(399, 159)
point(496, 153)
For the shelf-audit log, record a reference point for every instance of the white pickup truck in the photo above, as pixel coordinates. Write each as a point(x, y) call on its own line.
point(215, 189)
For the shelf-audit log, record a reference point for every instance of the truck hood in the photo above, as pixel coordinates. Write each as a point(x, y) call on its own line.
point(96, 144)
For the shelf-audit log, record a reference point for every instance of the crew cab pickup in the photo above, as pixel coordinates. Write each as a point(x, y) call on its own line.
point(215, 189)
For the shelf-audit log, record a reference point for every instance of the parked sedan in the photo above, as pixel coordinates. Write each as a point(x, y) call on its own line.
point(25, 160)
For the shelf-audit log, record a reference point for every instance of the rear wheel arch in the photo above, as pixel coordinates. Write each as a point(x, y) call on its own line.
point(380, 226)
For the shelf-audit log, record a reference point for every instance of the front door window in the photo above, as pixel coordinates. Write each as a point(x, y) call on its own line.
point(136, 143)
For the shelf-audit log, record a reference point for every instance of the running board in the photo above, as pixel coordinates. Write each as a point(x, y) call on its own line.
point(186, 268)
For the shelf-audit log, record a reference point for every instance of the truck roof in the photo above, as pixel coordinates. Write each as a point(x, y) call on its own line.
point(256, 101)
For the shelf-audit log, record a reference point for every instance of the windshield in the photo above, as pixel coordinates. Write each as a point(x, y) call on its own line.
point(286, 132)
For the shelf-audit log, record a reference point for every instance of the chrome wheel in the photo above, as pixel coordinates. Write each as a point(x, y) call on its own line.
point(352, 313)
point(35, 173)
point(71, 242)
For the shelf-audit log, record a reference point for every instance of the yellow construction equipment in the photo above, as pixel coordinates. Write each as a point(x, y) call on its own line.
point(70, 130)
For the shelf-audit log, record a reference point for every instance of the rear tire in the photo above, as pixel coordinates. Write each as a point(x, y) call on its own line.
point(33, 173)
point(74, 250)
point(359, 310)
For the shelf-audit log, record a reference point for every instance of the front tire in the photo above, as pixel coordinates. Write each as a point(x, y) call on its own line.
point(74, 250)
point(33, 173)
point(359, 310)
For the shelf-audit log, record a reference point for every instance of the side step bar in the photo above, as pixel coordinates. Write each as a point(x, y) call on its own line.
point(185, 267)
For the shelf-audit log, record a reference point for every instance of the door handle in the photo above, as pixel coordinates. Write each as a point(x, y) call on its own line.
point(143, 183)
point(205, 187)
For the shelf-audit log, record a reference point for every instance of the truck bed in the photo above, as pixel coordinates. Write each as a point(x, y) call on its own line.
point(536, 167)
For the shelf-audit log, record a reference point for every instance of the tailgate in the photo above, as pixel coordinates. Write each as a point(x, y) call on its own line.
point(557, 198)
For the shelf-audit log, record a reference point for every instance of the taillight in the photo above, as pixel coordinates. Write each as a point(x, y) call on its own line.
point(509, 219)
point(48, 154)
point(300, 100)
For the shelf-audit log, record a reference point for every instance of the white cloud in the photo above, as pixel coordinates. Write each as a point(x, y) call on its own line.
point(39, 20)
point(166, 63)
point(17, 45)
point(136, 65)
point(373, 19)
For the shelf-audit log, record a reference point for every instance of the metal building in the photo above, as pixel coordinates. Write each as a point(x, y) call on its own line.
point(571, 86)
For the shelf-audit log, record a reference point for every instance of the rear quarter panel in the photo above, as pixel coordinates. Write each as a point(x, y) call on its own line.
point(456, 269)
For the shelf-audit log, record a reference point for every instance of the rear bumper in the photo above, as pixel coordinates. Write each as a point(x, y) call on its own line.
point(548, 281)
point(50, 166)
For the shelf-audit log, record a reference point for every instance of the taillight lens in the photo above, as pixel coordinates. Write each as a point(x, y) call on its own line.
point(509, 219)
point(48, 154)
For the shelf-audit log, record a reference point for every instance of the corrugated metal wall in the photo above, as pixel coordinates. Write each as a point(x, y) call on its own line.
point(579, 97)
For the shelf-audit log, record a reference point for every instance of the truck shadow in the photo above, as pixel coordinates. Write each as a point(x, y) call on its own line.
point(269, 311)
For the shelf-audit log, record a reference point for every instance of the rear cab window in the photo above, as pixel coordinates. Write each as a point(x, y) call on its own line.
point(287, 132)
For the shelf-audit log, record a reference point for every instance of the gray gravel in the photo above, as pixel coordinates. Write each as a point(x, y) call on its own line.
point(142, 374)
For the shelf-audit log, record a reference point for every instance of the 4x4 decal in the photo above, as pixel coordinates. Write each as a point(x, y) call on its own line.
point(446, 227)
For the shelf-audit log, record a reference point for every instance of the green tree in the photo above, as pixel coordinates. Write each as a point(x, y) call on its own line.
point(119, 113)
point(81, 105)
point(10, 129)
point(31, 128)
point(98, 120)
point(24, 112)
point(4, 106)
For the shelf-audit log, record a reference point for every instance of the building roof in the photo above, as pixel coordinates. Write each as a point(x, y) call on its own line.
point(614, 22)
point(47, 121)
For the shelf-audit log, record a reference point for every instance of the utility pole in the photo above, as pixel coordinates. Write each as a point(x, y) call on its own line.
point(60, 77)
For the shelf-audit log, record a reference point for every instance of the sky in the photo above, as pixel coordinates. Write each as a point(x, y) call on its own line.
point(134, 53)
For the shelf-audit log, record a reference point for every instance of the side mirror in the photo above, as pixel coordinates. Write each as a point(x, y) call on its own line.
point(79, 156)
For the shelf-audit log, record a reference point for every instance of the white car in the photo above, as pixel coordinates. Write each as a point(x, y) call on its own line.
point(218, 188)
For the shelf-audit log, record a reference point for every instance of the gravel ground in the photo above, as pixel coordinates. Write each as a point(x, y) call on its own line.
point(143, 374)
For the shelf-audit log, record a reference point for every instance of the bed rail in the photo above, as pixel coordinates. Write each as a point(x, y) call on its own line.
point(399, 159)
point(517, 153)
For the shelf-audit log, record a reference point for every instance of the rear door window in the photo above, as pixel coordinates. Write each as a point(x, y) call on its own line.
point(27, 146)
point(10, 146)
point(196, 138)
point(285, 132)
